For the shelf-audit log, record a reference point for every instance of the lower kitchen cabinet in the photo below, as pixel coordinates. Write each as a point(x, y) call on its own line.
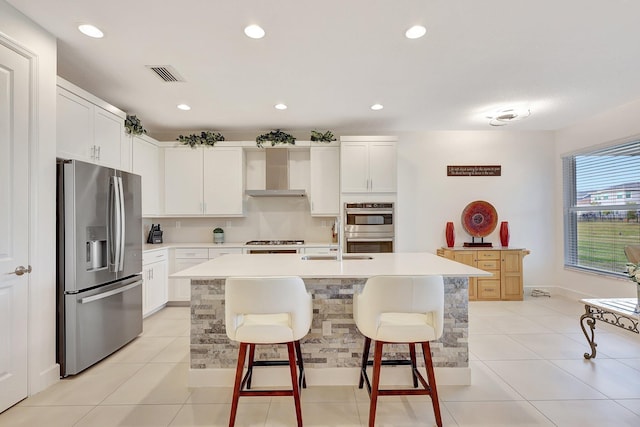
point(154, 276)
point(183, 258)
point(505, 265)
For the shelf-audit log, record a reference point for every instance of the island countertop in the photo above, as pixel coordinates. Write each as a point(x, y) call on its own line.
point(406, 264)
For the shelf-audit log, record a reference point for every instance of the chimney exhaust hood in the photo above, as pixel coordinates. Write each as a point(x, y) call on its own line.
point(277, 176)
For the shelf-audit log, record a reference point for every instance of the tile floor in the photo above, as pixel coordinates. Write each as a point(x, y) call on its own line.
point(527, 370)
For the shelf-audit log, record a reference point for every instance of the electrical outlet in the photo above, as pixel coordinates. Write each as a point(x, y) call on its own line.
point(326, 328)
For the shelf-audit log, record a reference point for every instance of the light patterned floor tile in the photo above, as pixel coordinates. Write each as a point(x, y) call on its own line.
point(50, 416)
point(550, 346)
point(542, 380)
point(314, 414)
point(176, 352)
point(155, 383)
point(631, 404)
point(588, 413)
point(405, 413)
point(497, 414)
point(485, 386)
point(141, 350)
point(130, 416)
point(217, 415)
point(499, 347)
point(610, 377)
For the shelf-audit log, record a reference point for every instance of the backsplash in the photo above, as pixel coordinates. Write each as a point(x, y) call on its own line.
point(266, 218)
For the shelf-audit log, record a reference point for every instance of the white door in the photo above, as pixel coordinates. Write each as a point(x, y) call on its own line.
point(14, 224)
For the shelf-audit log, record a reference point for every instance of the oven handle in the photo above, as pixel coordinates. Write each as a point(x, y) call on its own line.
point(369, 239)
point(369, 211)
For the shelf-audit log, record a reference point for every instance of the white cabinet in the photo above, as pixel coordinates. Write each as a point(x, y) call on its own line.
point(204, 181)
point(180, 289)
point(324, 192)
point(146, 163)
point(368, 164)
point(183, 258)
point(154, 276)
point(223, 186)
point(88, 128)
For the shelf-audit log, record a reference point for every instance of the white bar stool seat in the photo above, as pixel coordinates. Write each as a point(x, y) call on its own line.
point(267, 310)
point(406, 310)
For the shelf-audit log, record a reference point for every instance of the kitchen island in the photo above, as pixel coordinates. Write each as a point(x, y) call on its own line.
point(333, 348)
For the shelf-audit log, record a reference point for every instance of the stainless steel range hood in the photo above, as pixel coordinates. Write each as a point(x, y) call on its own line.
point(277, 176)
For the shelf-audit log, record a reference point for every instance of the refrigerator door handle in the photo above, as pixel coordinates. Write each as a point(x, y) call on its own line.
point(110, 293)
point(122, 224)
point(115, 225)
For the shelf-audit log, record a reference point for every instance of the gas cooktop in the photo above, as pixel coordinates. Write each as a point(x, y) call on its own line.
point(275, 242)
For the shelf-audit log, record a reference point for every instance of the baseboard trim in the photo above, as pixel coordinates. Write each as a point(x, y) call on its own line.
point(279, 376)
point(45, 379)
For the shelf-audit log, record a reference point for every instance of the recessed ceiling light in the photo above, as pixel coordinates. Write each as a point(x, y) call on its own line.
point(184, 107)
point(91, 31)
point(415, 32)
point(377, 107)
point(254, 31)
point(280, 107)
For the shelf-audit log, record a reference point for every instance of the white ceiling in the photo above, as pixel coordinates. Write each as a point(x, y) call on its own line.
point(330, 60)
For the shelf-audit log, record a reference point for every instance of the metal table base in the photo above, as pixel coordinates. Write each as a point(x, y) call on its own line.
point(618, 312)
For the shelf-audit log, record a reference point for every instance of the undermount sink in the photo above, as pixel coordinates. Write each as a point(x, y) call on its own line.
point(332, 257)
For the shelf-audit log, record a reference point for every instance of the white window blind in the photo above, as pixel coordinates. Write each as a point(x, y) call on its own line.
point(601, 202)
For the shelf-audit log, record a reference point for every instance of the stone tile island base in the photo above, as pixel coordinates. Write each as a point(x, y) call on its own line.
point(332, 351)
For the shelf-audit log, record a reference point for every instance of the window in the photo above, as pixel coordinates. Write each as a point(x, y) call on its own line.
point(598, 227)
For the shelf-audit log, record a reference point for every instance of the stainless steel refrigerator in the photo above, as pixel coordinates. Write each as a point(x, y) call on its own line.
point(99, 262)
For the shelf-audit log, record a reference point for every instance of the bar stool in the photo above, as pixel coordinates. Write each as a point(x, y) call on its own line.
point(267, 310)
point(400, 309)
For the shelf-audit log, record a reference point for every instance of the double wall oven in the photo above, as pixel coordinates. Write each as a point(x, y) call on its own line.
point(369, 227)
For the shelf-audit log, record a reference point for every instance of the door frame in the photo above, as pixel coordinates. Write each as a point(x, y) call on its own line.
point(32, 163)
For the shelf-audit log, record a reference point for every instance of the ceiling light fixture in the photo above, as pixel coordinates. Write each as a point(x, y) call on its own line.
point(91, 31)
point(254, 31)
point(376, 107)
point(508, 115)
point(415, 32)
point(183, 107)
point(280, 106)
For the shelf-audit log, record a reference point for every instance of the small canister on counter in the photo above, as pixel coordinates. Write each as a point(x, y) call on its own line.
point(218, 235)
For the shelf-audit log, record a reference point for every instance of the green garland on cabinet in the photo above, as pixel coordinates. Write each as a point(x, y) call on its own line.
point(276, 137)
point(133, 126)
point(204, 138)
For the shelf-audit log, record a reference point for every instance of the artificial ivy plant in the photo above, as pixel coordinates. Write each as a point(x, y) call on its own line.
point(133, 125)
point(204, 138)
point(322, 137)
point(276, 137)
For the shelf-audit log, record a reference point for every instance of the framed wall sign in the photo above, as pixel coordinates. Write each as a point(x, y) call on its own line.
point(470, 170)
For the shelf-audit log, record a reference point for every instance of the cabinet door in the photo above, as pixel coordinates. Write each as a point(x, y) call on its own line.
point(108, 132)
point(325, 181)
point(126, 152)
point(146, 164)
point(157, 292)
point(354, 167)
point(382, 167)
point(183, 181)
point(180, 289)
point(511, 275)
point(74, 120)
point(468, 258)
point(223, 185)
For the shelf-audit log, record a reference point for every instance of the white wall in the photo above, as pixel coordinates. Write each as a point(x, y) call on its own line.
point(41, 47)
point(523, 195)
point(613, 126)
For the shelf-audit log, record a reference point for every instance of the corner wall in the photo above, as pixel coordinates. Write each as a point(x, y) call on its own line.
point(617, 125)
point(523, 195)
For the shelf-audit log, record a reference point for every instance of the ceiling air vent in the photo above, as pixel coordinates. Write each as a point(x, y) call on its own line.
point(166, 72)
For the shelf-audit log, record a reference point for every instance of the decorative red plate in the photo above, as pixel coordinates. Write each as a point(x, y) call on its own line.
point(479, 218)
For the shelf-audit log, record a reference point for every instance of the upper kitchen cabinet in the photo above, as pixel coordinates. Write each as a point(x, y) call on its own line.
point(88, 128)
point(368, 164)
point(324, 192)
point(204, 181)
point(146, 163)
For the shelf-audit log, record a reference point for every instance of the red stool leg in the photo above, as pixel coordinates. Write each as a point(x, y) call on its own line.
point(242, 354)
point(294, 381)
point(428, 363)
point(377, 364)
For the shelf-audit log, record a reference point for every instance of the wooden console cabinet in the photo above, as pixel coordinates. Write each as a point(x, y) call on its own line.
point(505, 264)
